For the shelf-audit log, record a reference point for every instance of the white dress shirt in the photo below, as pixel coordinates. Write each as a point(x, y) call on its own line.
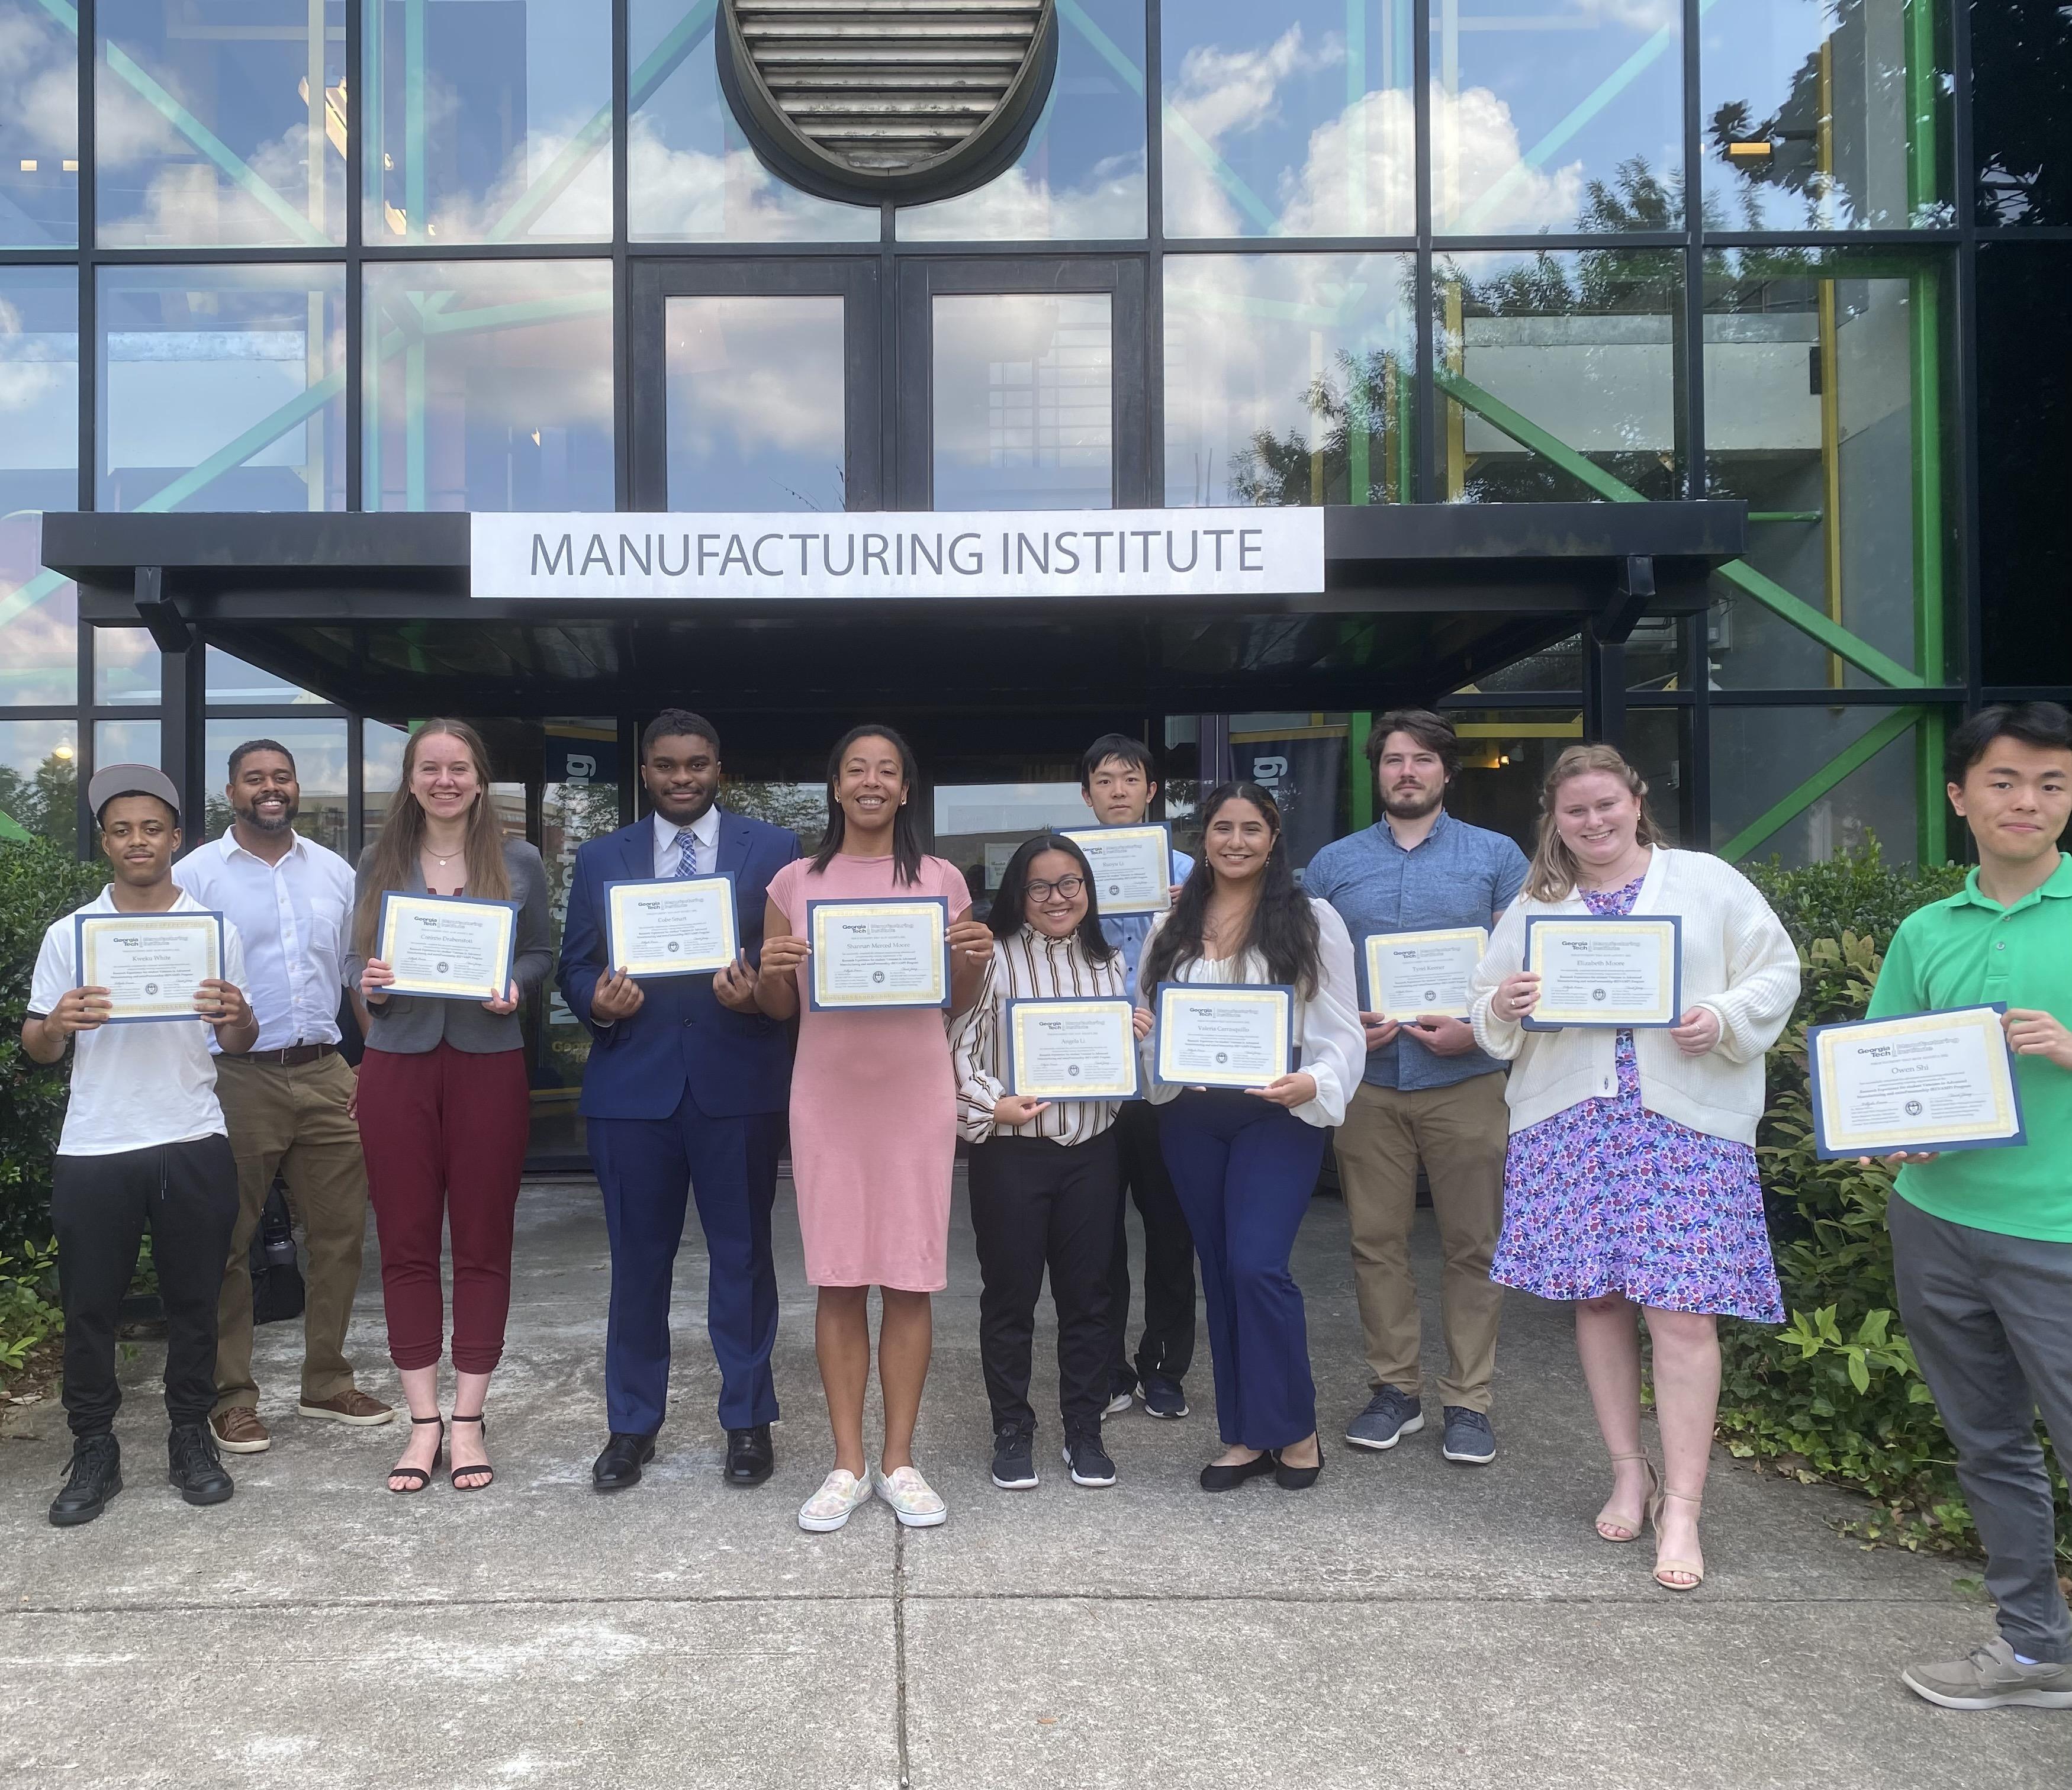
point(295, 917)
point(668, 852)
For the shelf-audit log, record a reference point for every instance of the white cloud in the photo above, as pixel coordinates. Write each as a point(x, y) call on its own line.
point(690, 195)
point(1221, 90)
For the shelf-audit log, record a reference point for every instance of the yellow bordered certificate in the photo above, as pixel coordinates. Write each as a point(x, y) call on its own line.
point(1223, 1034)
point(670, 925)
point(1605, 970)
point(1132, 867)
point(1072, 1048)
point(152, 965)
point(879, 953)
point(1410, 974)
point(453, 947)
point(1924, 1081)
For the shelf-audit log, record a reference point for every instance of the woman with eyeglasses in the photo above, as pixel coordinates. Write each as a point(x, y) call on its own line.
point(1046, 1177)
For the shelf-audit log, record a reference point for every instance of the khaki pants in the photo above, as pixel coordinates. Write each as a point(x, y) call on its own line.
point(1462, 1134)
point(293, 1121)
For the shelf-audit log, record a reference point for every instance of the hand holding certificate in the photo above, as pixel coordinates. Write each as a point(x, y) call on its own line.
point(1132, 867)
point(1224, 1034)
point(1605, 970)
point(1071, 1049)
point(1410, 975)
point(146, 967)
point(671, 926)
point(1924, 1083)
point(874, 953)
point(451, 947)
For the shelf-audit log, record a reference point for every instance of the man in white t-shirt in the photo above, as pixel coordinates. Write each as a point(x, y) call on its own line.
point(143, 1146)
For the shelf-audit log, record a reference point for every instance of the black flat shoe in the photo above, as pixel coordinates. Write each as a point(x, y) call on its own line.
point(1298, 1478)
point(750, 1458)
point(1228, 1479)
point(619, 1465)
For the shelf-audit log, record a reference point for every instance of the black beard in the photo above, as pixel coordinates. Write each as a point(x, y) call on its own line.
point(250, 817)
point(1395, 806)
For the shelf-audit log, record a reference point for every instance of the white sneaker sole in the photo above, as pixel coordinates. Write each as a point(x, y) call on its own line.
point(1166, 1416)
point(826, 1525)
point(925, 1519)
point(1469, 1461)
point(1998, 1700)
point(339, 1417)
point(222, 1447)
point(1410, 1428)
point(1029, 1484)
point(1116, 1405)
point(1078, 1479)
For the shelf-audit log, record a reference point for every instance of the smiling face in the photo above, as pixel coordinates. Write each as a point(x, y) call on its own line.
point(2016, 798)
point(1409, 777)
point(1119, 793)
point(264, 795)
point(871, 786)
point(681, 771)
point(1048, 907)
point(444, 777)
point(1596, 816)
point(138, 834)
point(1238, 840)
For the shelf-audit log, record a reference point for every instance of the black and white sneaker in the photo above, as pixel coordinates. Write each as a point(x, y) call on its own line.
point(1088, 1460)
point(1013, 1460)
point(1164, 1396)
point(1120, 1394)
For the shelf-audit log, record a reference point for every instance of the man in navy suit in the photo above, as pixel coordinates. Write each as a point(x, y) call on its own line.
point(685, 1092)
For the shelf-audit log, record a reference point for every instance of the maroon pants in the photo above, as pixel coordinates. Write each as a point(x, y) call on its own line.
point(444, 1134)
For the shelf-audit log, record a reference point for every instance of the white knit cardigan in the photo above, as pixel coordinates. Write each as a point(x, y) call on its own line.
point(1738, 961)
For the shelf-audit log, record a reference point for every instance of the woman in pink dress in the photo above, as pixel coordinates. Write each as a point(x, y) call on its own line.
point(874, 1125)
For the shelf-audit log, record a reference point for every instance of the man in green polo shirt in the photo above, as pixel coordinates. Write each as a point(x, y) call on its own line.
point(1982, 1239)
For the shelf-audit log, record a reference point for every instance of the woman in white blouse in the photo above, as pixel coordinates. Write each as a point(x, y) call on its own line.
point(1244, 1164)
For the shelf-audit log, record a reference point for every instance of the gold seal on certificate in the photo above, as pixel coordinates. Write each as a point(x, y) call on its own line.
point(1605, 970)
point(878, 953)
point(1132, 867)
point(1071, 1049)
point(670, 925)
point(152, 965)
point(1926, 1081)
point(452, 947)
point(1224, 1034)
point(1412, 974)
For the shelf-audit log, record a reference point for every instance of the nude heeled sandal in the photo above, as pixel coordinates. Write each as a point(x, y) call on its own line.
point(1696, 1571)
point(1647, 1504)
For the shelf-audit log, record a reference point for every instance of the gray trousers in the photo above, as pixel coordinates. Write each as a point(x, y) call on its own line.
point(1990, 1318)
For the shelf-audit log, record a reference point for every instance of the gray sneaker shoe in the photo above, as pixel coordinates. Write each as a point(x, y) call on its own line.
point(1991, 1677)
point(1469, 1438)
point(1390, 1415)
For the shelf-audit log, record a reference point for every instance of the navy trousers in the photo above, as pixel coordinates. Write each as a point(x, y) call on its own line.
point(648, 1169)
point(1244, 1170)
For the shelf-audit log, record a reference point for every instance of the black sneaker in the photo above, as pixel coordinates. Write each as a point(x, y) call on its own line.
point(1013, 1460)
point(195, 1467)
point(1121, 1389)
point(96, 1476)
point(1089, 1459)
point(1164, 1396)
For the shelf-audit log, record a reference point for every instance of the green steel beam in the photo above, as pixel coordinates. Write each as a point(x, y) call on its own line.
point(1360, 778)
point(1852, 758)
point(1528, 434)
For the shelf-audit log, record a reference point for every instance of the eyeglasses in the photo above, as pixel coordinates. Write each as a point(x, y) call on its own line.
point(1066, 886)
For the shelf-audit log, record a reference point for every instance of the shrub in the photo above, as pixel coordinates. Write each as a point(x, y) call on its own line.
point(28, 1314)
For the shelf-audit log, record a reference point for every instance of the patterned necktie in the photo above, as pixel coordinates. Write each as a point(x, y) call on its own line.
point(687, 849)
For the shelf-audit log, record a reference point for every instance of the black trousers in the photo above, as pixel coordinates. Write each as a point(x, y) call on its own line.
point(186, 1195)
point(1035, 1203)
point(1168, 1343)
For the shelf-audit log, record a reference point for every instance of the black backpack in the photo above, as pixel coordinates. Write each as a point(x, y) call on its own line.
point(276, 1281)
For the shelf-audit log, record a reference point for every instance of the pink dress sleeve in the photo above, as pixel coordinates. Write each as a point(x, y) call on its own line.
point(784, 892)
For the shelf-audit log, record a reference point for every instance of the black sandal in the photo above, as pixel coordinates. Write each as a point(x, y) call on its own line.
point(452, 1478)
point(421, 1475)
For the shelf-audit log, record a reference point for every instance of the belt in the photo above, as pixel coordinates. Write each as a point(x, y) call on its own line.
point(293, 1057)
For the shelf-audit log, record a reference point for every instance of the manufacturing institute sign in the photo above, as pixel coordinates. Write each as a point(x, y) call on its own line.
point(1064, 556)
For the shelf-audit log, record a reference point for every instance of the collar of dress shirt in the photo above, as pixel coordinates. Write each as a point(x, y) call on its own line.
point(1438, 826)
point(705, 829)
point(230, 843)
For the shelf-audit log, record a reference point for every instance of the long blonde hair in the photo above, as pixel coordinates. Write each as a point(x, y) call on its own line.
point(1552, 875)
point(402, 834)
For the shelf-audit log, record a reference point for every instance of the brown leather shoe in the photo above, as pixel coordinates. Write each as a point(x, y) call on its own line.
point(239, 1431)
point(350, 1406)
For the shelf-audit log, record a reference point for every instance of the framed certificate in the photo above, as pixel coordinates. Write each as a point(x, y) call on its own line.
point(1410, 974)
point(151, 964)
point(1132, 867)
point(671, 926)
point(893, 953)
point(1606, 969)
point(1926, 1081)
point(453, 947)
point(1224, 1034)
point(1072, 1049)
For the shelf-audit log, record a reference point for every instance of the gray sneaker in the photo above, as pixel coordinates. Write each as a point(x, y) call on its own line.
point(1991, 1677)
point(1391, 1414)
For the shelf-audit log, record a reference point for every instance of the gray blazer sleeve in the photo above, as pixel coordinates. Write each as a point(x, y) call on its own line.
point(532, 951)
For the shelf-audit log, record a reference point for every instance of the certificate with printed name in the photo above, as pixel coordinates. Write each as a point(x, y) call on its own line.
point(1410, 974)
point(1072, 1048)
point(1605, 970)
point(1132, 867)
point(452, 947)
point(670, 925)
point(1925, 1081)
point(1223, 1034)
point(151, 964)
point(878, 953)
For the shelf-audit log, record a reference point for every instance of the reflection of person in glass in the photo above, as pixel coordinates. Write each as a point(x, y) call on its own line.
point(874, 1125)
point(1245, 1163)
point(444, 1103)
point(1630, 1184)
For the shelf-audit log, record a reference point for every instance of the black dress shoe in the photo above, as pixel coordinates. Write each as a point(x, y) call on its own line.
point(1298, 1479)
point(96, 1476)
point(194, 1466)
point(1226, 1478)
point(750, 1458)
point(619, 1465)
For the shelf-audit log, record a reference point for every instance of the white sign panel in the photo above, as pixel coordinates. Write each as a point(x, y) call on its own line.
point(878, 554)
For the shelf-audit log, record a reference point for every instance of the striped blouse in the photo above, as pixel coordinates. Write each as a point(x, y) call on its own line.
point(1027, 967)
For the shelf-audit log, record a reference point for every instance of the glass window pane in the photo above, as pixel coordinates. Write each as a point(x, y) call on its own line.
point(1081, 174)
point(1505, 757)
point(1024, 405)
point(125, 743)
point(125, 668)
point(1287, 379)
point(39, 471)
point(232, 680)
point(38, 129)
point(488, 386)
point(39, 779)
point(1556, 115)
point(317, 748)
point(488, 120)
point(1291, 120)
point(1658, 745)
point(691, 176)
point(222, 387)
point(220, 122)
point(1768, 754)
point(380, 774)
point(2020, 51)
point(1580, 347)
point(1823, 403)
point(755, 403)
point(1820, 117)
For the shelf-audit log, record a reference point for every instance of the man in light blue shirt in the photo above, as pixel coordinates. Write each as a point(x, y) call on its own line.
point(1429, 1093)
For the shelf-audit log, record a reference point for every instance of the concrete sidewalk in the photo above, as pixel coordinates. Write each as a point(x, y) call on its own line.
point(1407, 1622)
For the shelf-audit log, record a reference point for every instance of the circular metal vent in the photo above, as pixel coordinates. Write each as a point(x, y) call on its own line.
point(869, 100)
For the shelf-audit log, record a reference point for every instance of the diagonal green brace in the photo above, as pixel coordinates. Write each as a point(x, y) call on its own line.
point(1852, 759)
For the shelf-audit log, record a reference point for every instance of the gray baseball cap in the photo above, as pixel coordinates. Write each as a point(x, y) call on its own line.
point(111, 781)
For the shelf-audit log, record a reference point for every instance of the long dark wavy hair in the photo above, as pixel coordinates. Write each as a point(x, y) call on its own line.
point(906, 852)
point(1010, 905)
point(1283, 926)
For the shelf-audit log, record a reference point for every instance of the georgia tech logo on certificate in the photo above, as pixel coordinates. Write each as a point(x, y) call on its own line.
point(1072, 1048)
point(871, 953)
point(670, 925)
point(1613, 970)
point(1922, 1081)
point(1223, 1034)
point(152, 965)
point(452, 947)
point(1132, 867)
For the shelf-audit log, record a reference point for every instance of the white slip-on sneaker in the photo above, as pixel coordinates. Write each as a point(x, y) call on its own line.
point(840, 1495)
point(913, 1501)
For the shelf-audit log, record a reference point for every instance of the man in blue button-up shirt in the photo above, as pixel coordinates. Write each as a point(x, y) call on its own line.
point(1428, 1094)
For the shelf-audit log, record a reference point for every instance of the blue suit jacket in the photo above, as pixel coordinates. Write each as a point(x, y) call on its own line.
point(733, 1063)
